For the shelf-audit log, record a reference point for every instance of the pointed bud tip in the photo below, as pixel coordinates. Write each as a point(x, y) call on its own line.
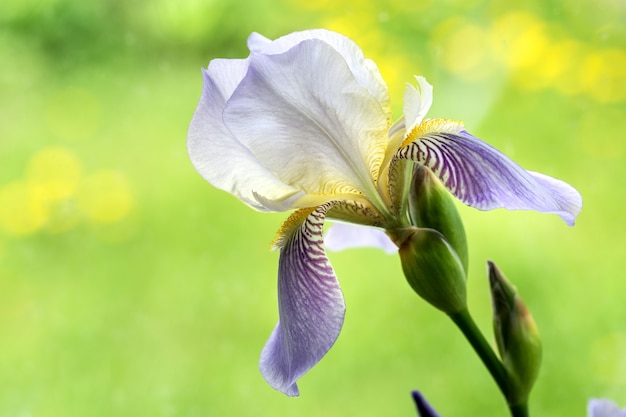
point(517, 337)
point(423, 408)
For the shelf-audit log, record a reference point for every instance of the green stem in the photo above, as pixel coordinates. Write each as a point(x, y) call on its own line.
point(472, 333)
point(519, 410)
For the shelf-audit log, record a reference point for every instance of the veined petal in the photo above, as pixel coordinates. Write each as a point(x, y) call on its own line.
point(317, 131)
point(341, 236)
point(216, 154)
point(481, 176)
point(364, 70)
point(417, 102)
point(310, 303)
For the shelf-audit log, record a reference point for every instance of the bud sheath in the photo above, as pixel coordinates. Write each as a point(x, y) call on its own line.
point(431, 206)
point(433, 269)
point(516, 335)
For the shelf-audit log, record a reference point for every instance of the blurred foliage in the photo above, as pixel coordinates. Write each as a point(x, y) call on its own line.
point(129, 286)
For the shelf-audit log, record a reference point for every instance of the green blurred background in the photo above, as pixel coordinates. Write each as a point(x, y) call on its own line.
point(130, 287)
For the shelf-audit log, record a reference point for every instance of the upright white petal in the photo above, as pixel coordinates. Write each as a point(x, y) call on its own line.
point(305, 118)
point(217, 155)
point(364, 70)
point(417, 102)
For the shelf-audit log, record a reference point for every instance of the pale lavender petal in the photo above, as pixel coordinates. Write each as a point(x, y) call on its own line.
point(363, 69)
point(311, 307)
point(482, 177)
point(601, 407)
point(220, 157)
point(341, 236)
point(317, 131)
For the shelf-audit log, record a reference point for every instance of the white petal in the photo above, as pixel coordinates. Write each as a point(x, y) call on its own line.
point(217, 155)
point(226, 74)
point(306, 119)
point(364, 70)
point(417, 102)
point(341, 236)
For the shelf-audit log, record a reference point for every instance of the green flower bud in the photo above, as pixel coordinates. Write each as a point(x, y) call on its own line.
point(433, 269)
point(516, 335)
point(431, 206)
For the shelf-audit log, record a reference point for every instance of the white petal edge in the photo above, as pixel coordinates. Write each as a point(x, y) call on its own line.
point(341, 236)
point(217, 155)
point(365, 70)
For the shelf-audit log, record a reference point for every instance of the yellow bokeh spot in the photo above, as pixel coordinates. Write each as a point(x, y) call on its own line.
point(106, 197)
point(397, 71)
point(558, 68)
point(603, 75)
point(565, 68)
point(519, 40)
point(73, 113)
point(55, 173)
point(322, 5)
point(460, 48)
point(362, 27)
point(22, 209)
point(608, 359)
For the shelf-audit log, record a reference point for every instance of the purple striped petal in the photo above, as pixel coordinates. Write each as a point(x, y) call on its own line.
point(310, 304)
point(483, 177)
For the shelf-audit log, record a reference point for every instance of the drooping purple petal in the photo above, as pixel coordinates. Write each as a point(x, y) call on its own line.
point(311, 307)
point(483, 177)
point(341, 236)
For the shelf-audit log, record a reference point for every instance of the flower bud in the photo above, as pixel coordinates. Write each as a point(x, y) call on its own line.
point(516, 336)
point(433, 269)
point(431, 206)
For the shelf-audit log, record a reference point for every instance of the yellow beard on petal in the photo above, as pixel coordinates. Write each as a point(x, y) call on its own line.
point(349, 211)
point(289, 226)
point(431, 126)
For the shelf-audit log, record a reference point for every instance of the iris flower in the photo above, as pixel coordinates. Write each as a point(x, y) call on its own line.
point(304, 123)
